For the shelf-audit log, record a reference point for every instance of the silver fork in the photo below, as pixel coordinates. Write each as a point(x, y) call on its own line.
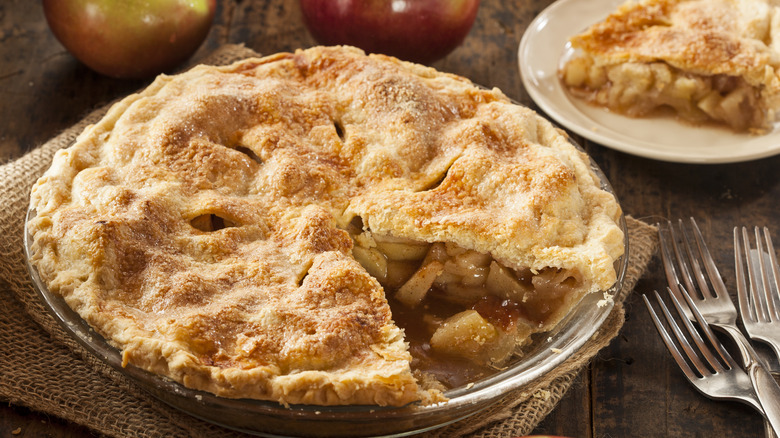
point(714, 304)
point(723, 379)
point(758, 305)
point(759, 299)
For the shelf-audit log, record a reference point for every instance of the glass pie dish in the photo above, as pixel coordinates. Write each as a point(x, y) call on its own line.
point(547, 351)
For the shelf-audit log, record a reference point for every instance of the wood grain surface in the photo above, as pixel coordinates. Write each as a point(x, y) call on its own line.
point(632, 389)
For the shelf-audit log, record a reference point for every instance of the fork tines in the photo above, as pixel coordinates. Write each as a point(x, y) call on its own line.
point(693, 356)
point(758, 295)
point(683, 262)
point(763, 303)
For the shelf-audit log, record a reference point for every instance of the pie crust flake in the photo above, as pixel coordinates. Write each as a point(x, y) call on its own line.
point(322, 227)
point(708, 61)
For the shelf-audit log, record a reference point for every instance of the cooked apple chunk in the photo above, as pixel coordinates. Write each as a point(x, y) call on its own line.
point(468, 334)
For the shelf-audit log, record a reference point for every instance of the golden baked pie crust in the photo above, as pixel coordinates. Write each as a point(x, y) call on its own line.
point(199, 226)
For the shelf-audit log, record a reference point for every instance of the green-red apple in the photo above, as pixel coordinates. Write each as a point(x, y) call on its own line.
point(130, 38)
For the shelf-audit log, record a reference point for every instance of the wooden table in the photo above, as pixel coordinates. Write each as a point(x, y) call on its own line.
point(632, 388)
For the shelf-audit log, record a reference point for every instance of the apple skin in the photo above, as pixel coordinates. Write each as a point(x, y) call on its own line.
point(130, 39)
point(421, 31)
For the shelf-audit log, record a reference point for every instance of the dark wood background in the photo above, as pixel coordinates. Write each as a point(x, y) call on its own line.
point(632, 389)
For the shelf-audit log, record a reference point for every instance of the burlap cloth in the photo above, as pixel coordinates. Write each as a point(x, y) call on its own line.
point(42, 368)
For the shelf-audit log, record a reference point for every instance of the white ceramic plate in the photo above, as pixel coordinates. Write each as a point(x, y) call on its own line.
point(541, 50)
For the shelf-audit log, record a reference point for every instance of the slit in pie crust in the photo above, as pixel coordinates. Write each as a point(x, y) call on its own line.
point(322, 227)
point(707, 61)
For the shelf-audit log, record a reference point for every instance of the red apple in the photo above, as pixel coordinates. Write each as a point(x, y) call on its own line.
point(131, 38)
point(415, 30)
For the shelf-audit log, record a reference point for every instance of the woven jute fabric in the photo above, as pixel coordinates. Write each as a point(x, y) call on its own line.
point(43, 368)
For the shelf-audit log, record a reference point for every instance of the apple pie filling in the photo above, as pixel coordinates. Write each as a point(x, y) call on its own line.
point(464, 313)
point(638, 89)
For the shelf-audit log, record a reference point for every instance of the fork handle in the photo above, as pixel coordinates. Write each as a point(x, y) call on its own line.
point(766, 387)
point(768, 393)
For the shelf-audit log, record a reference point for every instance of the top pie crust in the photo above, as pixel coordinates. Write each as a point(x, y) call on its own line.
point(285, 151)
point(698, 38)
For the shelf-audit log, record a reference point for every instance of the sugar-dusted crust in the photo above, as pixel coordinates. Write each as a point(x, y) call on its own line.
point(706, 38)
point(702, 36)
point(277, 155)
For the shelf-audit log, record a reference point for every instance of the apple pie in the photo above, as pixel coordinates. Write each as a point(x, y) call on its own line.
point(322, 227)
point(705, 61)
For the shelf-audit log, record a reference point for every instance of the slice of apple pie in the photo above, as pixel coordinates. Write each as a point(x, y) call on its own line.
point(708, 61)
point(322, 227)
